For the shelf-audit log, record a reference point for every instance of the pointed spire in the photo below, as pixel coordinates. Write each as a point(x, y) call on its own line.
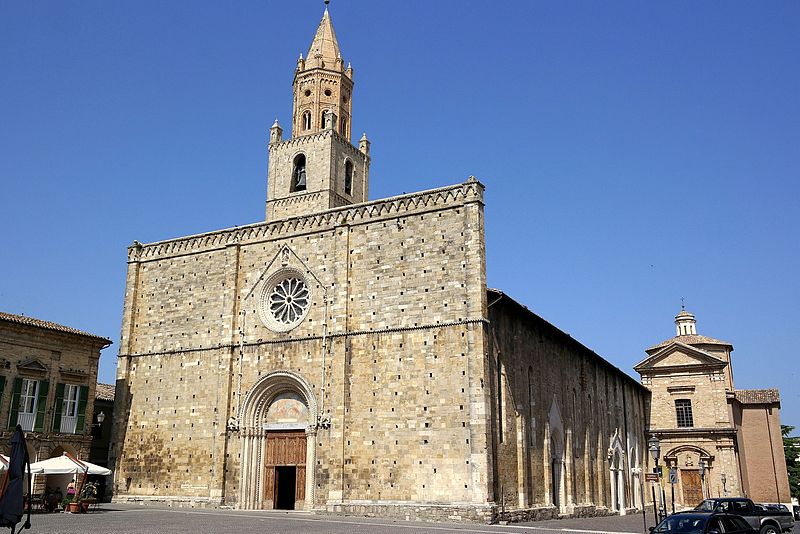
point(325, 44)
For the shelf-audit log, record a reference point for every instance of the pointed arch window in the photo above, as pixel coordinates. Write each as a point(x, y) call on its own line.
point(348, 177)
point(343, 129)
point(299, 173)
point(306, 120)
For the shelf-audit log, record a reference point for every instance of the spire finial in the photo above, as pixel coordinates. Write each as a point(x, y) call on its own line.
point(683, 304)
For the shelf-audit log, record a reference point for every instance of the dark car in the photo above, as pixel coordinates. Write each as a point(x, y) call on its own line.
point(768, 519)
point(695, 522)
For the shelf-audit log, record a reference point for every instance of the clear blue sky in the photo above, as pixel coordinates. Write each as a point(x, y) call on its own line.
point(633, 152)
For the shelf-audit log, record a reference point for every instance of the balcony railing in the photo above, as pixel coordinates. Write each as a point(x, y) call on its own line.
point(68, 424)
point(25, 420)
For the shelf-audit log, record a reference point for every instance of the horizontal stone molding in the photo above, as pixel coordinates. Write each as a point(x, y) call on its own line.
point(353, 333)
point(388, 208)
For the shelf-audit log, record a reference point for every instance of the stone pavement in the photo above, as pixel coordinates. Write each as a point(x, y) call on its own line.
point(134, 519)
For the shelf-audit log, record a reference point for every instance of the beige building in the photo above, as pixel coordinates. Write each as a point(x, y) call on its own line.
point(722, 441)
point(48, 374)
point(346, 354)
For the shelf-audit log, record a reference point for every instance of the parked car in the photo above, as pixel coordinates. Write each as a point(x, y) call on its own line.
point(761, 517)
point(710, 522)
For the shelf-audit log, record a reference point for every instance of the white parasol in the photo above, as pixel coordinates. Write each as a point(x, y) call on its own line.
point(67, 465)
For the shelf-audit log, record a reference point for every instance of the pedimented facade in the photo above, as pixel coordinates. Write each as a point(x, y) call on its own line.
point(722, 441)
point(346, 354)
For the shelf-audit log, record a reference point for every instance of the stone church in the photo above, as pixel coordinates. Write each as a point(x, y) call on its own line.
point(720, 440)
point(347, 355)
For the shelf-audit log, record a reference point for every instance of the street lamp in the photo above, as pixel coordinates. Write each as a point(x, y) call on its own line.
point(724, 478)
point(655, 448)
point(100, 418)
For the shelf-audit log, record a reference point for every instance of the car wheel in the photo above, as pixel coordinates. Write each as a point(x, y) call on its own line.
point(769, 529)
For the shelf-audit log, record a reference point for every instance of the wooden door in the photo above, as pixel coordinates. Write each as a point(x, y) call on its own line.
point(284, 448)
point(692, 487)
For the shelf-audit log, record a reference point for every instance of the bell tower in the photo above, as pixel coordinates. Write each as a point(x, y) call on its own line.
point(318, 168)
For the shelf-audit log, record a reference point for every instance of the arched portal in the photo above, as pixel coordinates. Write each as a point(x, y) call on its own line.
point(617, 474)
point(278, 425)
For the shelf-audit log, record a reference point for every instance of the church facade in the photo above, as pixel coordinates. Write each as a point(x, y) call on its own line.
point(346, 354)
point(721, 441)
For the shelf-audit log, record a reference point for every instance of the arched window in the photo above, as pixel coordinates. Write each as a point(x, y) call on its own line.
point(343, 129)
point(348, 177)
point(299, 174)
point(306, 120)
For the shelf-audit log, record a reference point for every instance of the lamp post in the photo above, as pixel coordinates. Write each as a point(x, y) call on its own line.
point(654, 446)
point(724, 478)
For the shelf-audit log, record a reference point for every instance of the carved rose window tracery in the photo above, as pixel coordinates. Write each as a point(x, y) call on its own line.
point(285, 300)
point(289, 300)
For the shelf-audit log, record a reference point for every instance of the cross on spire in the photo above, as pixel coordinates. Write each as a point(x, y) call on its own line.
point(683, 304)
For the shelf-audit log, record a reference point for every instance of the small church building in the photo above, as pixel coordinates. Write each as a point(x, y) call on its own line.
point(720, 441)
point(346, 354)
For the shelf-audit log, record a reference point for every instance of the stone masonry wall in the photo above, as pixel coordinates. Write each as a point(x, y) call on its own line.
point(551, 384)
point(395, 328)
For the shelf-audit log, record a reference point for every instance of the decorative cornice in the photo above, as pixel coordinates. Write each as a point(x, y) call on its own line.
point(302, 140)
point(692, 431)
point(470, 191)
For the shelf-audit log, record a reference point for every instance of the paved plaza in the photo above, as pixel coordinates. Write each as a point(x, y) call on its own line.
point(133, 519)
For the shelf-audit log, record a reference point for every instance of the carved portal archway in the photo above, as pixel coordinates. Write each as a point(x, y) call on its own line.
point(617, 474)
point(281, 405)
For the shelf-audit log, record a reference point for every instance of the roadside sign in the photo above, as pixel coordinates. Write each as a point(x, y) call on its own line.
point(673, 476)
point(651, 477)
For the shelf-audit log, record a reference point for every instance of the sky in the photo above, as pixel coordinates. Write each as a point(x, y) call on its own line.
point(633, 153)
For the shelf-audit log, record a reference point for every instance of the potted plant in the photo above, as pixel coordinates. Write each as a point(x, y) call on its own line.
point(88, 496)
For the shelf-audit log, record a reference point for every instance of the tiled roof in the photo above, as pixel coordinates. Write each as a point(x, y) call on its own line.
point(39, 323)
point(757, 396)
point(104, 392)
point(690, 339)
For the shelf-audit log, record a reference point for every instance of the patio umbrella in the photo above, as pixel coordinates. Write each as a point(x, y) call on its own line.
point(67, 465)
point(12, 501)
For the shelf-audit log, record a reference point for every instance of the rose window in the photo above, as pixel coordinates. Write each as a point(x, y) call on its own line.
point(285, 300)
point(289, 300)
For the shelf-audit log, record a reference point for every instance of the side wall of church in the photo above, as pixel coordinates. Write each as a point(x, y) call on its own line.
point(568, 426)
point(761, 452)
point(392, 350)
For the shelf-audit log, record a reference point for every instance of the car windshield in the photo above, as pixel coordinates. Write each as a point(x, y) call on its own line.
point(682, 525)
point(707, 506)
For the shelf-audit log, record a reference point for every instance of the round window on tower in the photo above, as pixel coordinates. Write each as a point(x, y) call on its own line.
point(327, 92)
point(307, 92)
point(285, 300)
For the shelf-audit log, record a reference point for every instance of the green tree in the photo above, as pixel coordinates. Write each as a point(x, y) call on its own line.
point(791, 449)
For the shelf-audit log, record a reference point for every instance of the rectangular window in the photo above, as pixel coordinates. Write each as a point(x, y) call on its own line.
point(27, 404)
point(683, 410)
point(71, 393)
point(69, 408)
